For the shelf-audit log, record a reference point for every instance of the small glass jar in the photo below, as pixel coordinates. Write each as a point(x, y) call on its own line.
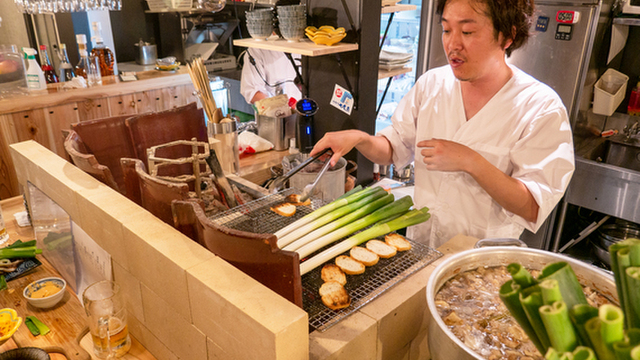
point(13, 75)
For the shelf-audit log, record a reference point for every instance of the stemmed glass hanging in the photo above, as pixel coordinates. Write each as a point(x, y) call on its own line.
point(60, 6)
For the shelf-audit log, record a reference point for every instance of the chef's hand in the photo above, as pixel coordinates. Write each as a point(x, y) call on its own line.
point(340, 142)
point(445, 155)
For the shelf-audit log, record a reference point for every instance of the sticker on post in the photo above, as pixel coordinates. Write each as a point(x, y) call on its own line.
point(342, 99)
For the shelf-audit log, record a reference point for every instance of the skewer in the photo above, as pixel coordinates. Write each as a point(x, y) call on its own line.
point(200, 80)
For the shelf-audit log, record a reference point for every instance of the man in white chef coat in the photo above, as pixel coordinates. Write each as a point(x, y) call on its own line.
point(267, 73)
point(492, 146)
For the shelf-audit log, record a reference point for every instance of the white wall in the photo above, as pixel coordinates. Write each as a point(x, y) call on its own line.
point(12, 28)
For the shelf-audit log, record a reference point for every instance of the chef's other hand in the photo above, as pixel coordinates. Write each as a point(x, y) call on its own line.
point(340, 142)
point(445, 155)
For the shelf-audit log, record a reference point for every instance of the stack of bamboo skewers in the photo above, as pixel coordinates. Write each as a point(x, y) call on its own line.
point(200, 79)
point(224, 146)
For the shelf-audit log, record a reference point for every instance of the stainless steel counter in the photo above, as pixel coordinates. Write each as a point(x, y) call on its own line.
point(609, 189)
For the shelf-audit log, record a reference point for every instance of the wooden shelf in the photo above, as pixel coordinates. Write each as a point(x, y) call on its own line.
point(383, 74)
point(304, 47)
point(398, 8)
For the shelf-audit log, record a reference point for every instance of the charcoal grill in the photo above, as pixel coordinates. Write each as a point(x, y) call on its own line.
point(256, 217)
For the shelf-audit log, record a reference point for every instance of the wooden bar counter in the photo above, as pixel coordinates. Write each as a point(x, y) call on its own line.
point(43, 115)
point(10, 207)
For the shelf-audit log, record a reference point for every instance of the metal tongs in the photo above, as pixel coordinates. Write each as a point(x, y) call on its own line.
point(278, 183)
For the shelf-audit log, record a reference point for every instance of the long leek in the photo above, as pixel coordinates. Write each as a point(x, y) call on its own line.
point(521, 275)
point(621, 257)
point(397, 207)
point(622, 349)
point(327, 218)
point(559, 328)
point(579, 315)
point(531, 301)
point(551, 354)
point(325, 210)
point(550, 291)
point(623, 263)
point(352, 191)
point(413, 217)
point(343, 221)
point(510, 296)
point(632, 278)
point(19, 252)
point(584, 353)
point(570, 288)
point(635, 353)
point(612, 324)
point(593, 328)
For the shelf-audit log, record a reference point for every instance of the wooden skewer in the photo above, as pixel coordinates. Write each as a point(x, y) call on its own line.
point(200, 80)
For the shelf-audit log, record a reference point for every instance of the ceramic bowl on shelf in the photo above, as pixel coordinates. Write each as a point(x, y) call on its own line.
point(292, 33)
point(45, 293)
point(9, 323)
point(291, 10)
point(325, 35)
point(260, 33)
point(259, 16)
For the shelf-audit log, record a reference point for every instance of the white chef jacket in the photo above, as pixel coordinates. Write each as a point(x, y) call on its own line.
point(523, 130)
point(275, 67)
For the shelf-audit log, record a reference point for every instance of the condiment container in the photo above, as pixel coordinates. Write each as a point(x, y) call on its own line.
point(13, 80)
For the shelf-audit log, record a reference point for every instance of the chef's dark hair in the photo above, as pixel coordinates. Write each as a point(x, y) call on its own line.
point(512, 18)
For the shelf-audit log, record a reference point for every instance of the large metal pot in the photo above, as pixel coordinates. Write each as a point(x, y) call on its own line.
point(443, 344)
point(330, 186)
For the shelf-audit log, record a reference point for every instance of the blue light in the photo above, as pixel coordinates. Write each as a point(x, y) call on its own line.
point(308, 130)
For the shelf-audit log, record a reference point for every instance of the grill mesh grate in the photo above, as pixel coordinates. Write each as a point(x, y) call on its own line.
point(256, 217)
point(364, 287)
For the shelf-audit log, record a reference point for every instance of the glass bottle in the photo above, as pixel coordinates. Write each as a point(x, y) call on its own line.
point(87, 66)
point(101, 51)
point(83, 63)
point(66, 70)
point(49, 74)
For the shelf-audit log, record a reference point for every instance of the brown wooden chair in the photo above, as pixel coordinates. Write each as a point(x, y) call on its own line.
point(108, 140)
point(87, 162)
point(257, 255)
point(152, 129)
point(156, 195)
point(131, 179)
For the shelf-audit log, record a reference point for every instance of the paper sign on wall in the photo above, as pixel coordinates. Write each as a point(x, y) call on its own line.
point(342, 99)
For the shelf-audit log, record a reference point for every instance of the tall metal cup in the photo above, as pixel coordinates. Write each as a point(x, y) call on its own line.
point(223, 138)
point(107, 316)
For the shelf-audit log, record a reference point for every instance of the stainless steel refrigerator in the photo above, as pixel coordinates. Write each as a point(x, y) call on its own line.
point(559, 53)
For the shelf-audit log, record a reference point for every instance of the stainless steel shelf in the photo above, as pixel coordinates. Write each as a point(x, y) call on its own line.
point(200, 11)
point(626, 21)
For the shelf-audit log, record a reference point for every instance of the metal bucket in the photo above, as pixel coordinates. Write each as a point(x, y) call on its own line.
point(443, 344)
point(278, 130)
point(331, 185)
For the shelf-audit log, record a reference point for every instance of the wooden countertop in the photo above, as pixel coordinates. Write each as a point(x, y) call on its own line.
point(14, 205)
point(257, 167)
point(111, 85)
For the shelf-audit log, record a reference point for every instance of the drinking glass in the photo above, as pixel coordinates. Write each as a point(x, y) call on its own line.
point(93, 72)
point(107, 316)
